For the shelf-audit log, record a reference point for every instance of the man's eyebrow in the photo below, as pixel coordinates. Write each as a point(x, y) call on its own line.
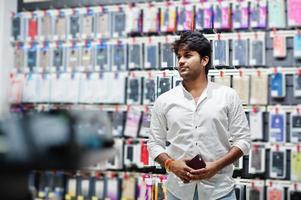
point(184, 51)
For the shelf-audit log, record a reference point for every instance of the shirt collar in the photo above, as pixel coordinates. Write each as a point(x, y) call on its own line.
point(203, 95)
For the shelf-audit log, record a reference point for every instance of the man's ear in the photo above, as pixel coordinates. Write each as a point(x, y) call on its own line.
point(204, 60)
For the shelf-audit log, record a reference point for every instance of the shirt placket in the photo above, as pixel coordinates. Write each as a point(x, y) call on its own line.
point(195, 123)
point(196, 115)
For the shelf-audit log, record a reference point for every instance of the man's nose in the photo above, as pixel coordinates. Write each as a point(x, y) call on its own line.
point(181, 61)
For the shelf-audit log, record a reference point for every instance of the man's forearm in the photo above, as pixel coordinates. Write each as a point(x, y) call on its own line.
point(234, 154)
point(162, 158)
point(177, 167)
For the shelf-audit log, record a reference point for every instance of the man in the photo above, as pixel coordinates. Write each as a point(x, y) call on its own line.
point(198, 117)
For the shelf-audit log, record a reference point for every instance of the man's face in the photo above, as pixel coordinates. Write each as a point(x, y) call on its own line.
point(190, 64)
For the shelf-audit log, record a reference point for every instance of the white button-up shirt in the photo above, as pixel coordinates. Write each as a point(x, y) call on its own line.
point(209, 127)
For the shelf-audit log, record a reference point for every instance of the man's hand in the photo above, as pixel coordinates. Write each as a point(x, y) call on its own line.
point(181, 170)
point(205, 173)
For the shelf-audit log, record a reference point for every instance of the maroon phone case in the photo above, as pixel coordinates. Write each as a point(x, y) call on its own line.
point(196, 163)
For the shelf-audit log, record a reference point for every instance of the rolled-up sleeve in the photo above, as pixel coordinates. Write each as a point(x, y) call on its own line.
point(158, 130)
point(238, 125)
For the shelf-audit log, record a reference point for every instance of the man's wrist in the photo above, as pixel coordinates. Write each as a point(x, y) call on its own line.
point(168, 163)
point(234, 154)
point(217, 166)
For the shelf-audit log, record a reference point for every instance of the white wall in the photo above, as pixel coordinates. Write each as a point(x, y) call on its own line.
point(6, 50)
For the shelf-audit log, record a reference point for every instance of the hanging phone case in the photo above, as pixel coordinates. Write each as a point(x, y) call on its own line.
point(60, 27)
point(295, 165)
point(295, 129)
point(257, 52)
point(279, 46)
point(276, 14)
point(278, 85)
point(74, 26)
point(259, 98)
point(58, 56)
point(293, 14)
point(32, 58)
point(297, 46)
point(256, 125)
point(135, 56)
point(16, 27)
point(134, 90)
point(297, 85)
point(241, 84)
point(151, 56)
point(87, 24)
point(221, 52)
point(103, 20)
point(46, 27)
point(86, 58)
point(102, 57)
point(44, 58)
point(240, 52)
point(119, 57)
point(32, 28)
point(167, 56)
point(277, 164)
point(277, 127)
point(164, 85)
point(199, 17)
point(149, 90)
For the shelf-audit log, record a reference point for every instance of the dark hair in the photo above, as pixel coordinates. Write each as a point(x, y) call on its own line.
point(194, 41)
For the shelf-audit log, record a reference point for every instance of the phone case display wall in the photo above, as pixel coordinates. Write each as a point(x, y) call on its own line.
point(143, 87)
point(269, 189)
point(129, 185)
point(122, 20)
point(118, 58)
point(276, 148)
point(144, 53)
point(138, 88)
point(100, 185)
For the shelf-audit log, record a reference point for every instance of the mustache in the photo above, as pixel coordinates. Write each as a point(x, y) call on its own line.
point(179, 67)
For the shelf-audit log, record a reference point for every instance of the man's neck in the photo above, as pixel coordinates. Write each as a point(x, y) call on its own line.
point(196, 87)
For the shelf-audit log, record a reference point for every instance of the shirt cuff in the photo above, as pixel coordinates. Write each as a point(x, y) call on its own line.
point(155, 152)
point(244, 146)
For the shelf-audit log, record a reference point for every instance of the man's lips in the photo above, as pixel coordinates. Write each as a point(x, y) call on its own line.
point(183, 68)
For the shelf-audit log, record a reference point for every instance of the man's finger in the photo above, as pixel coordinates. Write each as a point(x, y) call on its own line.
point(186, 174)
point(188, 169)
point(198, 177)
point(199, 171)
point(185, 179)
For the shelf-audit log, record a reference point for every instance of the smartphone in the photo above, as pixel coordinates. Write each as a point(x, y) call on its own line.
point(196, 162)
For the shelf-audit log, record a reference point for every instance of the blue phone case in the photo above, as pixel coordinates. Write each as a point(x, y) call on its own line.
point(277, 127)
point(278, 85)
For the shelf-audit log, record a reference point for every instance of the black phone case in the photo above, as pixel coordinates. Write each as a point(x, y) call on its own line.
point(196, 163)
